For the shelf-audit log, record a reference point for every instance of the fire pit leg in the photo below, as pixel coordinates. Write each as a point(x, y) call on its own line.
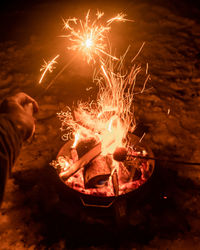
point(120, 208)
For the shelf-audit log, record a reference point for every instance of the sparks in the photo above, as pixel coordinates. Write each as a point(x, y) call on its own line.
point(48, 67)
point(111, 117)
point(89, 37)
point(120, 17)
point(99, 14)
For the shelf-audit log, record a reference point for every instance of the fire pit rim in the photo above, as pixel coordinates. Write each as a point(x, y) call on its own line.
point(107, 201)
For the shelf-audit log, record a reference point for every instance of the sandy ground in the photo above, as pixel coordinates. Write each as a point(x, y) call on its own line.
point(35, 213)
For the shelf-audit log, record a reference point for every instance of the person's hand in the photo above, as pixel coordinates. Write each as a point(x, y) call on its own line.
point(20, 108)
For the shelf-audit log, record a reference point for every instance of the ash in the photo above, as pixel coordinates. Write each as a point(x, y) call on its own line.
point(37, 212)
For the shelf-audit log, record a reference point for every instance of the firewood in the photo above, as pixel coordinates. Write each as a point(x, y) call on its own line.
point(85, 145)
point(74, 154)
point(84, 160)
point(97, 172)
point(115, 180)
point(124, 172)
point(137, 174)
point(115, 183)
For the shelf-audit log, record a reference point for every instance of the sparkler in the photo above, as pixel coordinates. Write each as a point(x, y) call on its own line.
point(120, 17)
point(48, 67)
point(88, 37)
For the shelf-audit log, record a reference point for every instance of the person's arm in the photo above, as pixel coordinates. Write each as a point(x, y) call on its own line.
point(16, 125)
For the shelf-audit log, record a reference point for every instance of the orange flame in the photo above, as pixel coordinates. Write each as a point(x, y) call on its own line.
point(77, 136)
point(64, 164)
point(111, 117)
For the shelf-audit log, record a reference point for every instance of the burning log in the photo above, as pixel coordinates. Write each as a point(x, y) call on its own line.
point(74, 154)
point(115, 183)
point(115, 180)
point(85, 145)
point(97, 172)
point(129, 163)
point(84, 160)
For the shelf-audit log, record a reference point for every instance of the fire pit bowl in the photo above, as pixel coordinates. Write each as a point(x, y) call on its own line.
point(106, 192)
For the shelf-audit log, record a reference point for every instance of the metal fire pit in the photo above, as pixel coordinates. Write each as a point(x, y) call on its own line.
point(92, 200)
